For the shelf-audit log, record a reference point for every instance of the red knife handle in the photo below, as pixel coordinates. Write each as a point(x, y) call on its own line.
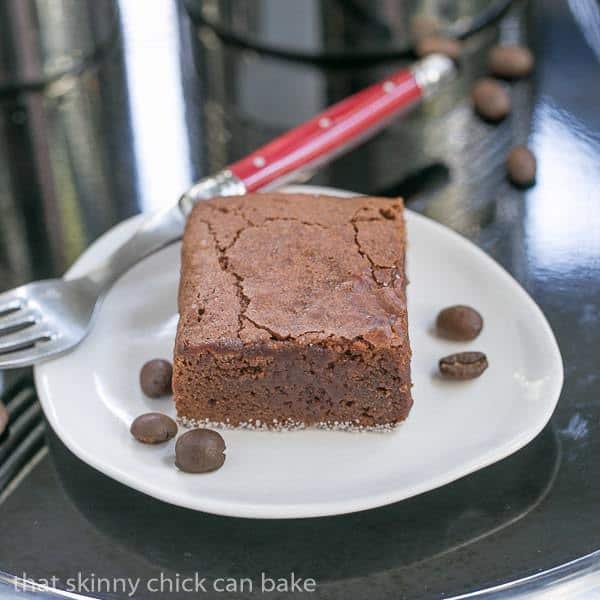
point(340, 127)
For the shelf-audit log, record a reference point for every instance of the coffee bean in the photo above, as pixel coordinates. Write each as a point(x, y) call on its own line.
point(438, 45)
point(199, 451)
point(155, 378)
point(3, 418)
point(510, 62)
point(460, 323)
point(491, 100)
point(521, 166)
point(153, 428)
point(464, 365)
point(424, 25)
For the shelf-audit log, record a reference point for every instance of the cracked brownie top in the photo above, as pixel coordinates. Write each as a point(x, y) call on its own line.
point(272, 267)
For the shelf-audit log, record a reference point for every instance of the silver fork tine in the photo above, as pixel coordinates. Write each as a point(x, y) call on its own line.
point(18, 339)
point(20, 318)
point(27, 357)
point(9, 301)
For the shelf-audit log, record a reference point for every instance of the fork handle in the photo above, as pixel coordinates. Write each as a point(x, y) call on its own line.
point(331, 133)
point(288, 157)
point(155, 232)
point(337, 129)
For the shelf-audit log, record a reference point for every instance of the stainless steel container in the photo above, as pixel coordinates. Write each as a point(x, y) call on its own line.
point(342, 28)
point(44, 39)
point(81, 145)
point(61, 83)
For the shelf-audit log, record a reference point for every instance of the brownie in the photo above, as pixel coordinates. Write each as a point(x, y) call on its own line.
point(293, 314)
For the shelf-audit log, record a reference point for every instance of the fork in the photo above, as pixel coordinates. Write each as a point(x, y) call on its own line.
point(47, 318)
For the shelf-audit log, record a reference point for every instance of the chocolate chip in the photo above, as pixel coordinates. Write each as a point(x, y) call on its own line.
point(3, 418)
point(460, 323)
point(200, 451)
point(510, 62)
point(155, 378)
point(438, 45)
point(491, 100)
point(463, 365)
point(521, 166)
point(153, 428)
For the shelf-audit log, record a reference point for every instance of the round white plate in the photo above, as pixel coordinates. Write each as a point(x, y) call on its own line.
point(91, 395)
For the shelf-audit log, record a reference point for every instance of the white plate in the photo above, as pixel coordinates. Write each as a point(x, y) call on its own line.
point(91, 395)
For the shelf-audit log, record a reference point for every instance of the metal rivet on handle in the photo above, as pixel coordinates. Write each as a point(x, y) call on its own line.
point(388, 87)
point(259, 161)
point(324, 122)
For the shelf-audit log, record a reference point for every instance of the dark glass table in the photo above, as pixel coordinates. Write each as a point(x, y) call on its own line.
point(132, 130)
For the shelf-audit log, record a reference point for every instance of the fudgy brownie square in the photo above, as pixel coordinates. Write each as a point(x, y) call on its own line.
point(293, 314)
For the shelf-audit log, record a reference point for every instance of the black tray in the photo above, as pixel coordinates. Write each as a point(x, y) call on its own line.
point(524, 515)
